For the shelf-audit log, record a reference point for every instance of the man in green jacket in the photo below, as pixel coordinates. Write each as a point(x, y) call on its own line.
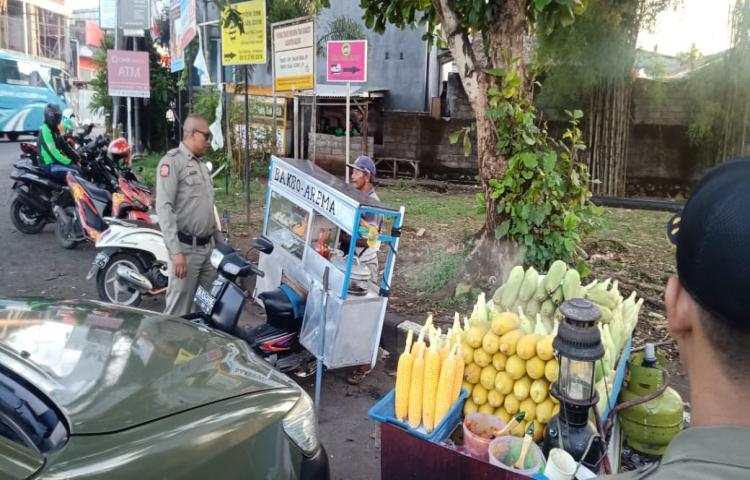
point(57, 156)
point(708, 314)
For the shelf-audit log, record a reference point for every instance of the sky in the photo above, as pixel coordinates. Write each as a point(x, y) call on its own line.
point(703, 22)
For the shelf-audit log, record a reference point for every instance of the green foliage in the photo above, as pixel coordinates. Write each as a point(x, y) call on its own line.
point(341, 28)
point(543, 198)
point(433, 275)
point(472, 15)
point(101, 102)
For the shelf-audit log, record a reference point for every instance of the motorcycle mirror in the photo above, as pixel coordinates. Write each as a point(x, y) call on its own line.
point(263, 244)
point(209, 166)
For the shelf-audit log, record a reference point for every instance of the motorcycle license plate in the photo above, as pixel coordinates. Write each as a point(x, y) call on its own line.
point(98, 264)
point(204, 300)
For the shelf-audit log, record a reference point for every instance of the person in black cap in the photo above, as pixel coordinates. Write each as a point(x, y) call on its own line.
point(708, 314)
point(363, 174)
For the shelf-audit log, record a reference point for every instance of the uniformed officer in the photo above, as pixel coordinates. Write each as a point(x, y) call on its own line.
point(708, 314)
point(185, 207)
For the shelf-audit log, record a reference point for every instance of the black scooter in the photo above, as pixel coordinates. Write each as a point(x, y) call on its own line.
point(277, 341)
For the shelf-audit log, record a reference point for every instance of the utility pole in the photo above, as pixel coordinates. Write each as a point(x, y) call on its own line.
point(116, 100)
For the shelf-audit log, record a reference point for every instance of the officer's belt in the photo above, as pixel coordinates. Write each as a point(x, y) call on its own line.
point(194, 241)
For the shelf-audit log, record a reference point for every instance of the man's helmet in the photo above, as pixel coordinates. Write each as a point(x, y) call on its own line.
point(119, 151)
point(52, 115)
point(67, 126)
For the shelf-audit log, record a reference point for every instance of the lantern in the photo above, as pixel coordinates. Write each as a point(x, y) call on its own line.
point(578, 346)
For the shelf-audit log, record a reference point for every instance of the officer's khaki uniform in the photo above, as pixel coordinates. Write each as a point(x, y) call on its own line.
point(185, 204)
point(701, 453)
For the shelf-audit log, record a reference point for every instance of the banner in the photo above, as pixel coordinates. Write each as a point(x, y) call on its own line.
point(176, 52)
point(248, 47)
point(188, 27)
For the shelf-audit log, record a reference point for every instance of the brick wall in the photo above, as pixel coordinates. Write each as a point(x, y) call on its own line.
point(330, 150)
point(421, 137)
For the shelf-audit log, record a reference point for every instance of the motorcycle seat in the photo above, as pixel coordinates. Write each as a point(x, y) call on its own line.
point(96, 193)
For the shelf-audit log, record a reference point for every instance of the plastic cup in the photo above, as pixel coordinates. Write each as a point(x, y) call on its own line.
point(504, 451)
point(475, 444)
point(560, 465)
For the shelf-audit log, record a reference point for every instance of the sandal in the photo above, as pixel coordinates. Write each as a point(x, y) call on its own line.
point(358, 375)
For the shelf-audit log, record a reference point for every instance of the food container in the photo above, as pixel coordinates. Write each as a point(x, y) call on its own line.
point(359, 276)
point(478, 429)
point(504, 451)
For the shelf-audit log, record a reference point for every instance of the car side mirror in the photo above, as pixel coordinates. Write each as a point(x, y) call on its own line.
point(263, 244)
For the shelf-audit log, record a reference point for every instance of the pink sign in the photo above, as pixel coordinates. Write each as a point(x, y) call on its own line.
point(128, 74)
point(347, 61)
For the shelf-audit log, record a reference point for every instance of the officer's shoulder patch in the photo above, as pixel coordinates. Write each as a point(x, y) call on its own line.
point(164, 170)
point(173, 152)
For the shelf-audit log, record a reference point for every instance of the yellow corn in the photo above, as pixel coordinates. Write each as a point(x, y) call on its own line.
point(446, 349)
point(458, 373)
point(431, 377)
point(416, 389)
point(446, 382)
point(403, 379)
point(419, 345)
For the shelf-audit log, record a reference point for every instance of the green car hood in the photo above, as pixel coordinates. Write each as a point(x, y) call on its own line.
point(110, 368)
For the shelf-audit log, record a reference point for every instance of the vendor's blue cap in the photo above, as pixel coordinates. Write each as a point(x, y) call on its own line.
point(364, 164)
point(712, 235)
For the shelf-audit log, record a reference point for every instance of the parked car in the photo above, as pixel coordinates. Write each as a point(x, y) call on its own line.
point(91, 390)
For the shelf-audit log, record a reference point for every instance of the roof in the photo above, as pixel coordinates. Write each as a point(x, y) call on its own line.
point(324, 90)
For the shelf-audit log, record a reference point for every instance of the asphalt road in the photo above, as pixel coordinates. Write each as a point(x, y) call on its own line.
point(34, 265)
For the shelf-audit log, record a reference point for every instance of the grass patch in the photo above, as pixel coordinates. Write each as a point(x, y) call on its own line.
point(426, 208)
point(431, 276)
point(145, 168)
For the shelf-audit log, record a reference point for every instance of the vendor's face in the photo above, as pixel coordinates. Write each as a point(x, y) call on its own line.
point(359, 179)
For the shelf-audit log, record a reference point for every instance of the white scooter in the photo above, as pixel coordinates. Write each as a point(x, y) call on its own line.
point(132, 263)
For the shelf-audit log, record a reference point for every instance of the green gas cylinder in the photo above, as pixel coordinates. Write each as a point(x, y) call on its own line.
point(650, 426)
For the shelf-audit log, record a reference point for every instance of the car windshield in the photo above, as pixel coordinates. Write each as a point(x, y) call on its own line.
point(28, 418)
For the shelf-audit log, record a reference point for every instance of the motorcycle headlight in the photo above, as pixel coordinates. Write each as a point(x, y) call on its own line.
point(216, 258)
point(300, 425)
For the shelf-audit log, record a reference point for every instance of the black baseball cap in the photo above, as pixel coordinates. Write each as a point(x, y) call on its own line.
point(712, 235)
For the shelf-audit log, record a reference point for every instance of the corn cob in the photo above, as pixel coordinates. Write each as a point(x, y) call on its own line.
point(555, 275)
point(444, 399)
point(512, 286)
point(431, 377)
point(529, 284)
point(419, 345)
point(458, 374)
point(403, 379)
point(416, 390)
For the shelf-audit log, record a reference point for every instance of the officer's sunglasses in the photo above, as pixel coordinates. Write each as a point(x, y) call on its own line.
point(206, 135)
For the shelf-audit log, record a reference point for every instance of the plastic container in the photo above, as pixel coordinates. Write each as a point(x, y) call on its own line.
point(560, 465)
point(383, 411)
point(476, 445)
point(504, 451)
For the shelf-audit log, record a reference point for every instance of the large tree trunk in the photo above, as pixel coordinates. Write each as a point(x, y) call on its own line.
point(506, 37)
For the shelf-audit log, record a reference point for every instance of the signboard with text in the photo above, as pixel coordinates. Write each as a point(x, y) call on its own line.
point(346, 61)
point(107, 11)
point(134, 17)
point(128, 74)
point(294, 56)
point(176, 52)
point(187, 22)
point(248, 47)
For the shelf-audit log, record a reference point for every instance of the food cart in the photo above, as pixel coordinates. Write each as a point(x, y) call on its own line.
point(308, 212)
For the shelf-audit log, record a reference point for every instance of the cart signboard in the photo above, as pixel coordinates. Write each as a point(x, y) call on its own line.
point(248, 47)
point(294, 56)
point(347, 61)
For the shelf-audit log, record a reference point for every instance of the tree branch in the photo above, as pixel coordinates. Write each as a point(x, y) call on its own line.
point(459, 45)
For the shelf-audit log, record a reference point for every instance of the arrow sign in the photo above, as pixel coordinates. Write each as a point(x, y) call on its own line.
point(347, 61)
point(230, 55)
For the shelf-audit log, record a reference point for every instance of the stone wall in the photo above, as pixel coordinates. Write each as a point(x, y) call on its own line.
point(422, 137)
point(330, 150)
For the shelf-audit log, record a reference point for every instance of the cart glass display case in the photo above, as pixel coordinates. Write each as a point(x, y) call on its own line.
point(322, 224)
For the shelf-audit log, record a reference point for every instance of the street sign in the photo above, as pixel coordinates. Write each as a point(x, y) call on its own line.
point(294, 56)
point(128, 74)
point(134, 17)
point(107, 14)
point(347, 61)
point(248, 47)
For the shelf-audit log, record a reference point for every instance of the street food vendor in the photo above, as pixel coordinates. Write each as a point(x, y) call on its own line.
point(708, 314)
point(363, 174)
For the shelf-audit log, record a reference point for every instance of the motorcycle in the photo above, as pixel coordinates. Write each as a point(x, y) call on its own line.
point(37, 191)
point(277, 341)
point(94, 206)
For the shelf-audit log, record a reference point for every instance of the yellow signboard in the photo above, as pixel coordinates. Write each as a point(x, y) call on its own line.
point(248, 47)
